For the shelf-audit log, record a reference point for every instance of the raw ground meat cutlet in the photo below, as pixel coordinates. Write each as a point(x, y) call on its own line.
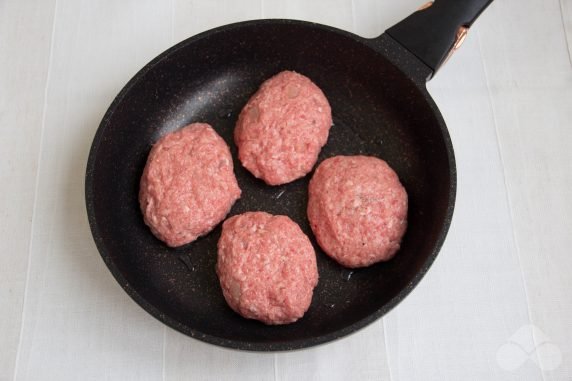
point(282, 128)
point(188, 184)
point(266, 267)
point(357, 209)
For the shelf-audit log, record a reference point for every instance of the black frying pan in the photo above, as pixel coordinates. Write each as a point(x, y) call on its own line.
point(381, 107)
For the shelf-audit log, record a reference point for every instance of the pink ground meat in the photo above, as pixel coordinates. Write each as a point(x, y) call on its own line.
point(188, 184)
point(282, 128)
point(357, 209)
point(267, 267)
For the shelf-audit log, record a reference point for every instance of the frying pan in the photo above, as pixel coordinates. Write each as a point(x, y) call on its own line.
point(381, 107)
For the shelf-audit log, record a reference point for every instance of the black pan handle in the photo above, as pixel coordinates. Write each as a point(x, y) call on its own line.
point(435, 31)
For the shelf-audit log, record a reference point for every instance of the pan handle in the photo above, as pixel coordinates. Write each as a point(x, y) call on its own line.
point(437, 29)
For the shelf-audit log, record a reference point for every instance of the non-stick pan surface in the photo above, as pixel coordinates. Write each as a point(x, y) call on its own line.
point(380, 108)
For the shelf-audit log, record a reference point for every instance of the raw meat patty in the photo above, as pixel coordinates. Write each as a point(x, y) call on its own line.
point(267, 267)
point(357, 209)
point(282, 128)
point(188, 185)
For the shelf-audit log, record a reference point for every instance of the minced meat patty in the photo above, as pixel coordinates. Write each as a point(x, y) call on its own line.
point(357, 209)
point(267, 267)
point(188, 184)
point(282, 128)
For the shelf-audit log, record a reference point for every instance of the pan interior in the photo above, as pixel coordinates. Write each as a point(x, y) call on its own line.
point(377, 111)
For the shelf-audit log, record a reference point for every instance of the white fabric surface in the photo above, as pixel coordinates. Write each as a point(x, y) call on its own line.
point(495, 306)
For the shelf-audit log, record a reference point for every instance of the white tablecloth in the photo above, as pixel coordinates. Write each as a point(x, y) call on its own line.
point(495, 306)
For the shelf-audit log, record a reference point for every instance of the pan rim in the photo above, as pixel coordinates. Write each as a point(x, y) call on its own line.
point(241, 344)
